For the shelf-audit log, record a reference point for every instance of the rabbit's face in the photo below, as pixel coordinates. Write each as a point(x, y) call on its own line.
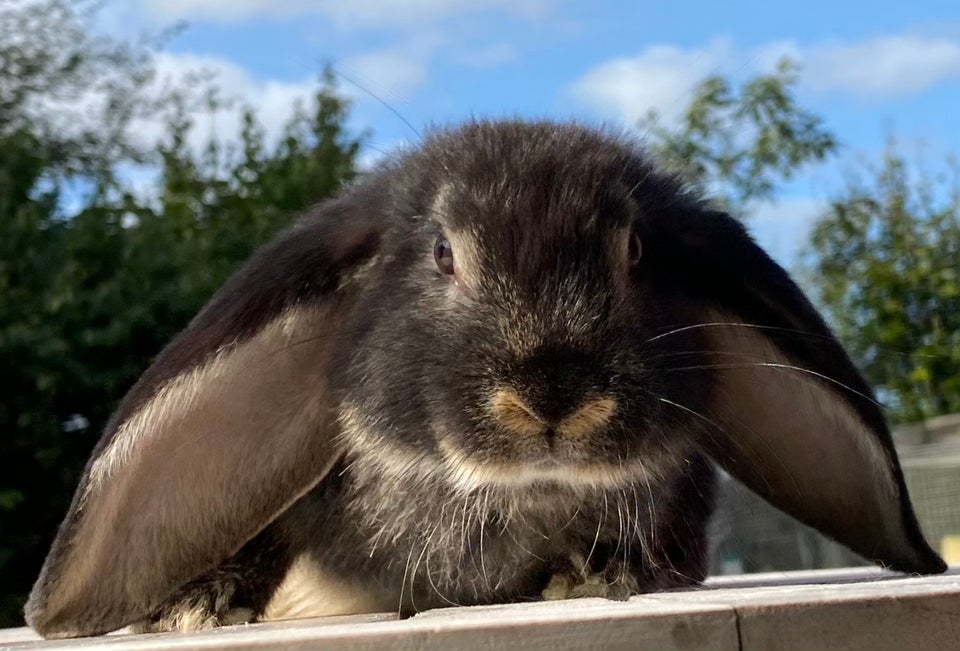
point(518, 340)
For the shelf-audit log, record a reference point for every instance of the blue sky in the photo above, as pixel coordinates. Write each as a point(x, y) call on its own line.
point(870, 69)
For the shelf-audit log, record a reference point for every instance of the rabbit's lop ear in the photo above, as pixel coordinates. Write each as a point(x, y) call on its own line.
point(790, 416)
point(230, 425)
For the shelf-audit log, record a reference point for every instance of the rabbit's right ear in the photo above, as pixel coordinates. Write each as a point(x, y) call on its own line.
point(231, 424)
point(788, 413)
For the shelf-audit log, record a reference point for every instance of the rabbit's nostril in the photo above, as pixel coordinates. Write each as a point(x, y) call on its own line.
point(589, 417)
point(514, 414)
point(517, 416)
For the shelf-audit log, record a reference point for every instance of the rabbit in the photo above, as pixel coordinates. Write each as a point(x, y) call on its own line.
point(505, 365)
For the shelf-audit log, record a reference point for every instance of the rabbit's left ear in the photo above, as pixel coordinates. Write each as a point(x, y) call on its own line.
point(232, 423)
point(790, 416)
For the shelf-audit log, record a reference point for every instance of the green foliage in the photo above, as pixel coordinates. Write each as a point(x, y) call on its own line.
point(94, 279)
point(743, 141)
point(888, 271)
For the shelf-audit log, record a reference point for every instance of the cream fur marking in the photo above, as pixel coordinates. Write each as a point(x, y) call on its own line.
point(366, 437)
point(468, 474)
point(588, 418)
point(306, 591)
point(183, 393)
point(513, 414)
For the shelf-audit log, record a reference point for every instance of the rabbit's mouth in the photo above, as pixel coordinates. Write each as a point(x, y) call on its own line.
point(557, 463)
point(585, 450)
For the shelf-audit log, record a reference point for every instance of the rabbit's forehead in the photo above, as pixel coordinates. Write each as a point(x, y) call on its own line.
point(519, 204)
point(498, 176)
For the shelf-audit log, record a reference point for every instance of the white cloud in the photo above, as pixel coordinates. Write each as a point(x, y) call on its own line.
point(78, 110)
point(660, 78)
point(391, 74)
point(346, 13)
point(767, 55)
point(271, 100)
point(882, 67)
point(125, 20)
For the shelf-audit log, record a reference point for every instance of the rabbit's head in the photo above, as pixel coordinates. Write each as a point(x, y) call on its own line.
point(516, 326)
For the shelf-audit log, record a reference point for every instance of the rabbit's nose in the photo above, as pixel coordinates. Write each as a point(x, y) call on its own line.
point(557, 380)
point(517, 416)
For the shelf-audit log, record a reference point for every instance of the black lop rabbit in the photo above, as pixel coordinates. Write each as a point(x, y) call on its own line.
point(501, 367)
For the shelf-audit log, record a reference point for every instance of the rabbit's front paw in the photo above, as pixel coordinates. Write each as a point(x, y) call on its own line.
point(207, 605)
point(579, 580)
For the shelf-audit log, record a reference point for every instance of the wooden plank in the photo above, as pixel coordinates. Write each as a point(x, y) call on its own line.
point(10, 635)
point(862, 609)
point(557, 626)
point(887, 613)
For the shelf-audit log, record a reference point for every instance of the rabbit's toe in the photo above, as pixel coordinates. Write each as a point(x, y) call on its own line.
point(579, 580)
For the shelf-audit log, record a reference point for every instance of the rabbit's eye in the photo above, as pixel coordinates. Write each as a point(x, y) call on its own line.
point(634, 249)
point(443, 254)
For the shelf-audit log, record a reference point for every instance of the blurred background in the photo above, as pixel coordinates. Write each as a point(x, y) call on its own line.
point(147, 146)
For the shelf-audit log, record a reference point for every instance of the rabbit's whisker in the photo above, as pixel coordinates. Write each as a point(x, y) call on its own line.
point(601, 519)
point(483, 519)
point(646, 545)
point(616, 550)
point(701, 353)
point(737, 324)
point(776, 365)
point(434, 585)
point(513, 537)
point(403, 582)
point(416, 566)
point(624, 529)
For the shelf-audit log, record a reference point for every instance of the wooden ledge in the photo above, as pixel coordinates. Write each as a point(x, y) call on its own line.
point(861, 609)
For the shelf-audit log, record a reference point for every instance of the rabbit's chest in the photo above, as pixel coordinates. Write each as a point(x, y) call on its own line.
point(389, 547)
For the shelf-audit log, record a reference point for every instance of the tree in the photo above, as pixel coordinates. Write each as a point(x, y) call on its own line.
point(53, 74)
point(743, 142)
point(95, 280)
point(887, 268)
